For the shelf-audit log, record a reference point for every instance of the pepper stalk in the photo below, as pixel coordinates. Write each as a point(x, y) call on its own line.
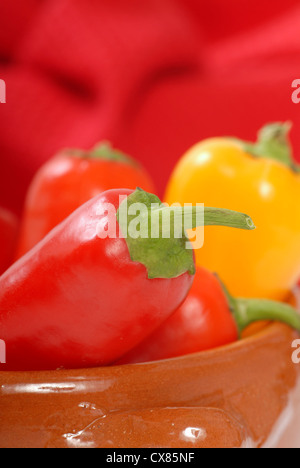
point(274, 143)
point(171, 255)
point(248, 311)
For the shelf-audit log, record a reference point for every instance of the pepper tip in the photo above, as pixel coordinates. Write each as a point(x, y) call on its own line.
point(250, 224)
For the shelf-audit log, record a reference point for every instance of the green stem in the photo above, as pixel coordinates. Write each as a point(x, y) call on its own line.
point(106, 152)
point(156, 234)
point(248, 311)
point(192, 217)
point(227, 218)
point(273, 143)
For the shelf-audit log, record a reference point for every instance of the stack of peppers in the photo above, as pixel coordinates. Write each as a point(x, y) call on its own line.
point(76, 297)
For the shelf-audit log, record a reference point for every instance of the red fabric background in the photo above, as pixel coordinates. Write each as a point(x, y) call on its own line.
point(153, 76)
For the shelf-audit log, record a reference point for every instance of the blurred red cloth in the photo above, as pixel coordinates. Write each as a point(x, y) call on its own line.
point(152, 76)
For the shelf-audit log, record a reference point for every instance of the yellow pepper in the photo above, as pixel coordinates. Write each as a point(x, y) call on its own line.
point(261, 180)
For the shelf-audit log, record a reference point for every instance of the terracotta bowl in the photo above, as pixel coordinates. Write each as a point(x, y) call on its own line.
point(242, 395)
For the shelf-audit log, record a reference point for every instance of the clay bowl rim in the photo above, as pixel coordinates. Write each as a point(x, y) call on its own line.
point(269, 330)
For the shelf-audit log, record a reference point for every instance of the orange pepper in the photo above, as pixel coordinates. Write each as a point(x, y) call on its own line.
point(262, 180)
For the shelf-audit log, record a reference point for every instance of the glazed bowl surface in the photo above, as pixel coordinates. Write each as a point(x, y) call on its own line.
point(242, 395)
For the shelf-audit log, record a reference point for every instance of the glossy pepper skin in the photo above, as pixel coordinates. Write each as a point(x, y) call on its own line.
point(204, 321)
point(208, 318)
point(8, 237)
point(79, 301)
point(83, 298)
point(263, 181)
point(69, 180)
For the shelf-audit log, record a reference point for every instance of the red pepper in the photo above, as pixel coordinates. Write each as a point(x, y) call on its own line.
point(209, 318)
point(79, 299)
point(69, 180)
point(8, 237)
